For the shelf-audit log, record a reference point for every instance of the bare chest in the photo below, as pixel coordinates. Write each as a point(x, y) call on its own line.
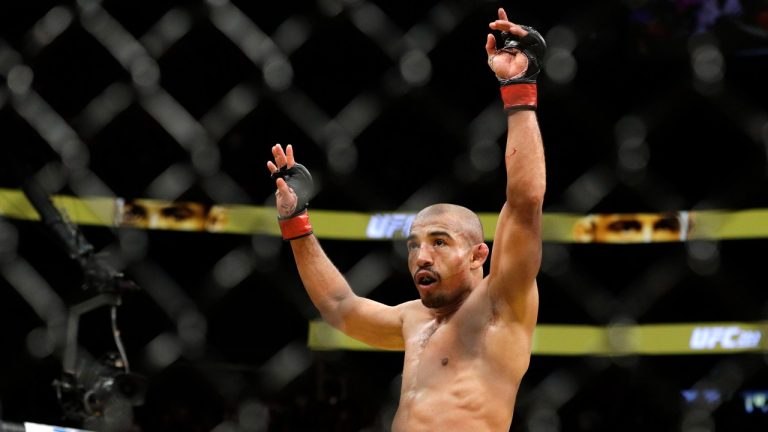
point(435, 352)
point(451, 380)
point(437, 355)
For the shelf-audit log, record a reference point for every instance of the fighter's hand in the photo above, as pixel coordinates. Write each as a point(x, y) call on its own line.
point(286, 197)
point(505, 63)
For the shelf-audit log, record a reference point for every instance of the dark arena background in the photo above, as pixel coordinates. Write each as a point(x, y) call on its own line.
point(648, 109)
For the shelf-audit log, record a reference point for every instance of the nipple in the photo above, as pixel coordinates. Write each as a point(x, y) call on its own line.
point(444, 361)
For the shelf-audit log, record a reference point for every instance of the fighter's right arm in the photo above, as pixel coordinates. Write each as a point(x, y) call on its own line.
point(366, 320)
point(371, 322)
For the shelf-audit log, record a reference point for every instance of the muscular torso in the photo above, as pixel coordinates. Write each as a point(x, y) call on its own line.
point(461, 373)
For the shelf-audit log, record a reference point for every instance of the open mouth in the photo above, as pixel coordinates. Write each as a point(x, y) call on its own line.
point(425, 279)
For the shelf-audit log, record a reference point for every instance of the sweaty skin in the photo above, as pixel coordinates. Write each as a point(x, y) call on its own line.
point(467, 341)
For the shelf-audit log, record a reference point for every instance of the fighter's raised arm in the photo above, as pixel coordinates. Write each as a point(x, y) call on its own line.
point(368, 321)
point(517, 243)
point(468, 340)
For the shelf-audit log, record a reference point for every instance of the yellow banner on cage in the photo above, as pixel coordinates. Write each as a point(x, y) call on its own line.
point(614, 340)
point(618, 228)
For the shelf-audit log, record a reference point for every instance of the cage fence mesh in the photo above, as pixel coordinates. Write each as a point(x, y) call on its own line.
point(645, 106)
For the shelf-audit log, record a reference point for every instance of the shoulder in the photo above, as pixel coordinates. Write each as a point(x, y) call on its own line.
point(484, 303)
point(410, 308)
point(413, 312)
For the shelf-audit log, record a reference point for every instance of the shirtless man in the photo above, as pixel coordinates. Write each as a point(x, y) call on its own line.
point(467, 341)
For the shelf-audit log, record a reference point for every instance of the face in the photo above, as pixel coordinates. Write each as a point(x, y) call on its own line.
point(163, 215)
point(440, 260)
point(638, 228)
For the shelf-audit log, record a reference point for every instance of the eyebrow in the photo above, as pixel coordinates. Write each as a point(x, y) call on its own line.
point(432, 234)
point(439, 234)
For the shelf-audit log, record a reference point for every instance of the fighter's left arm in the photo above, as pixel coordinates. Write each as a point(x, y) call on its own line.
point(516, 253)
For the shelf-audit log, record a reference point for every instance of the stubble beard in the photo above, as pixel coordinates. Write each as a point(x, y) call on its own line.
point(435, 301)
point(440, 300)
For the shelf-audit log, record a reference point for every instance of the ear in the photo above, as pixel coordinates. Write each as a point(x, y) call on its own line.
point(584, 230)
point(480, 253)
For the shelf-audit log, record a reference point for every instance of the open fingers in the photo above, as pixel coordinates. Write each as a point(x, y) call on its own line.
point(282, 158)
point(490, 45)
point(272, 167)
point(503, 24)
point(509, 27)
point(279, 155)
point(290, 161)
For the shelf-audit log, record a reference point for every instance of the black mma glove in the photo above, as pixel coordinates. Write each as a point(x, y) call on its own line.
point(521, 92)
point(298, 178)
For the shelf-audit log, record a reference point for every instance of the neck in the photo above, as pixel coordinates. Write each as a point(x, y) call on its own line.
point(443, 313)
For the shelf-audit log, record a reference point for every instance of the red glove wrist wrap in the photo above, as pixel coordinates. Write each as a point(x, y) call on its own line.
point(519, 96)
point(296, 227)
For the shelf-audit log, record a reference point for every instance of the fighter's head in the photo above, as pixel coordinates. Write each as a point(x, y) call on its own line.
point(446, 254)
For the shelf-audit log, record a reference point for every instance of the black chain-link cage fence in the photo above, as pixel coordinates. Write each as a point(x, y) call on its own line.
point(656, 105)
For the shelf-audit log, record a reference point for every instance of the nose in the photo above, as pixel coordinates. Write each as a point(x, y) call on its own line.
point(423, 257)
